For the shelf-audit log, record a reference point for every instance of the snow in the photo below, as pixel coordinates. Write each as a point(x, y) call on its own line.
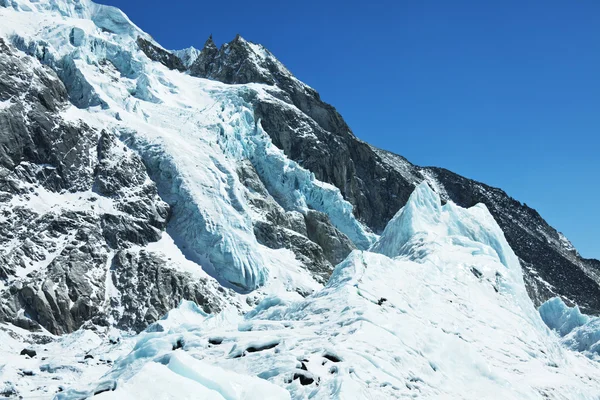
point(184, 377)
point(187, 56)
point(190, 132)
point(59, 361)
point(5, 104)
point(447, 317)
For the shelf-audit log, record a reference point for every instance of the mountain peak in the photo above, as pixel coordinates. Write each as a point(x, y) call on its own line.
point(128, 186)
point(241, 61)
point(187, 56)
point(209, 43)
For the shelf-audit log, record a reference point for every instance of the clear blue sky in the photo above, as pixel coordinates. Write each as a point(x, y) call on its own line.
point(506, 92)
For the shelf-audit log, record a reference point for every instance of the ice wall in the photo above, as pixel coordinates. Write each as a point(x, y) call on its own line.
point(294, 187)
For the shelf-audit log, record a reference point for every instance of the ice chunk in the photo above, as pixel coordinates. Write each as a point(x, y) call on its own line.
point(560, 317)
point(230, 385)
point(422, 213)
point(579, 332)
point(77, 36)
point(424, 218)
point(157, 381)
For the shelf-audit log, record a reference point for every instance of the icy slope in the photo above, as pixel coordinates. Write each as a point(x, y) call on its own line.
point(450, 318)
point(436, 308)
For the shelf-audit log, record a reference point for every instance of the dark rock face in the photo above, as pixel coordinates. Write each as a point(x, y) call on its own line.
point(149, 288)
point(203, 65)
point(334, 243)
point(120, 174)
point(378, 183)
point(70, 197)
point(160, 55)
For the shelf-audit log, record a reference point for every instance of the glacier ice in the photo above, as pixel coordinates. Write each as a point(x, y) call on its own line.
point(419, 324)
point(160, 112)
point(423, 214)
point(435, 308)
point(560, 317)
point(578, 332)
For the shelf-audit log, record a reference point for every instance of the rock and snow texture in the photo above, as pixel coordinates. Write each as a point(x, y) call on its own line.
point(129, 182)
point(146, 154)
point(378, 183)
point(444, 314)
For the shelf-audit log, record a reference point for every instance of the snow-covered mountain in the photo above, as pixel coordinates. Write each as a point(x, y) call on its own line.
point(216, 188)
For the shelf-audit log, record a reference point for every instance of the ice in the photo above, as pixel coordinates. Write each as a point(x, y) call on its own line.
point(294, 187)
point(183, 377)
point(447, 317)
point(560, 317)
point(157, 381)
point(191, 134)
point(107, 18)
point(230, 385)
point(423, 214)
point(578, 332)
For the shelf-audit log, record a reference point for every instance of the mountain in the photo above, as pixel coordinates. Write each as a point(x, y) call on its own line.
point(217, 189)
point(377, 182)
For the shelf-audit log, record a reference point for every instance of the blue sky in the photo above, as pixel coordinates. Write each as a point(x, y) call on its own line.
point(505, 92)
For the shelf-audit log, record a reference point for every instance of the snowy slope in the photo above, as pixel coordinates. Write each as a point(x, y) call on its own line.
point(449, 318)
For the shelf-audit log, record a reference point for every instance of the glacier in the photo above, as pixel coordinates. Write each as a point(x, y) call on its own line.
point(449, 317)
point(158, 113)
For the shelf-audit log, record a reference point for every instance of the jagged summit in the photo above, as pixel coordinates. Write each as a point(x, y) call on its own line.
point(238, 61)
point(209, 42)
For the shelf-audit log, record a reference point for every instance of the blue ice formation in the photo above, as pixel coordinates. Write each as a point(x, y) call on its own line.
point(228, 253)
point(424, 216)
point(578, 331)
point(294, 188)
